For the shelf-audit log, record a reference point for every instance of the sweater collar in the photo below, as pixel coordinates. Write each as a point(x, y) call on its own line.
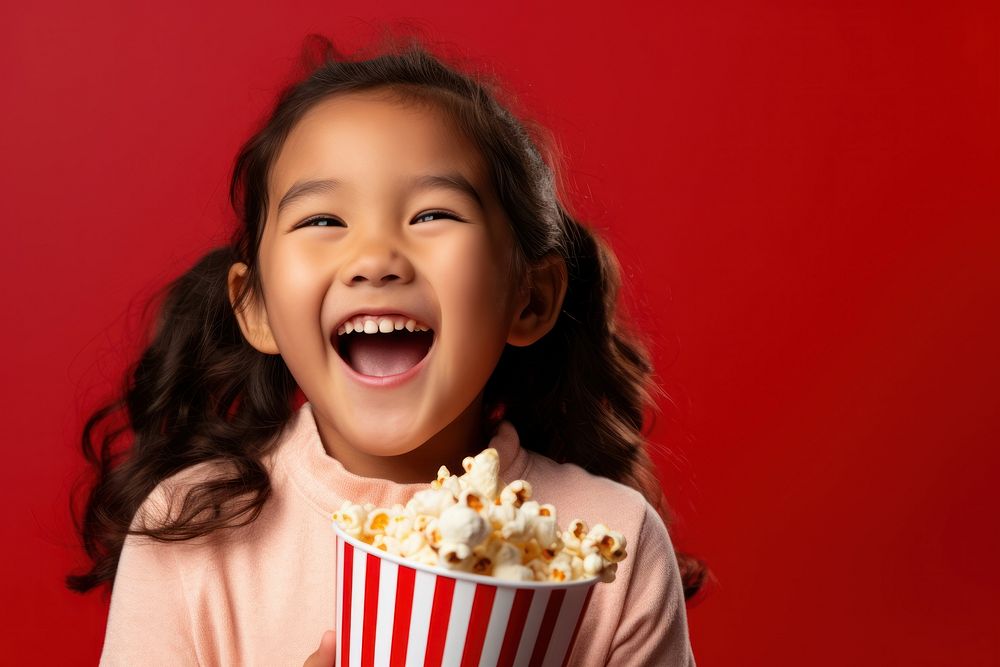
point(326, 483)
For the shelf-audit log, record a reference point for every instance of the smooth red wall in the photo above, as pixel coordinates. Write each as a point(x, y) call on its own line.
point(804, 199)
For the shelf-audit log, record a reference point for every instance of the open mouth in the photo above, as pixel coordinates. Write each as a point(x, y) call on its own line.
point(383, 354)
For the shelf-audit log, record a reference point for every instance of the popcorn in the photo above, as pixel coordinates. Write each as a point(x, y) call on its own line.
point(351, 518)
point(593, 564)
point(454, 554)
point(473, 523)
point(610, 544)
point(561, 567)
point(461, 524)
point(377, 521)
point(431, 501)
point(511, 522)
point(543, 520)
point(574, 535)
point(515, 493)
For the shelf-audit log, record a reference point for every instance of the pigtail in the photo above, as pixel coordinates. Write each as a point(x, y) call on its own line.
point(198, 393)
point(589, 380)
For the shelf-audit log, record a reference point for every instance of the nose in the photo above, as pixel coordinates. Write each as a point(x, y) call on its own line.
point(377, 262)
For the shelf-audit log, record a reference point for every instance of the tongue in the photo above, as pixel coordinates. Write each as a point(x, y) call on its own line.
point(386, 354)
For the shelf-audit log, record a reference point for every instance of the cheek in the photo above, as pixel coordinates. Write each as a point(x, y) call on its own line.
point(471, 287)
point(294, 294)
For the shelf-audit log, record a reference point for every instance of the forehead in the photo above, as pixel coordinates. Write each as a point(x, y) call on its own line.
point(369, 138)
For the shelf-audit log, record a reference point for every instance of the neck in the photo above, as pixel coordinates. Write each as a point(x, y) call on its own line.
point(449, 446)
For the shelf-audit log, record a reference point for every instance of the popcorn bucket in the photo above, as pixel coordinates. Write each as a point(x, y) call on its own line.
point(391, 611)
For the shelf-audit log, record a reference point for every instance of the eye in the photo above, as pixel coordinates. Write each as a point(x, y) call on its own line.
point(325, 219)
point(444, 214)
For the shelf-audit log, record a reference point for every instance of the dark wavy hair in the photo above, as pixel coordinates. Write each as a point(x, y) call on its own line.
point(200, 392)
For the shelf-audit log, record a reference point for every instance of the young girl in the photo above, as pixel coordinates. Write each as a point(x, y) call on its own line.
point(404, 261)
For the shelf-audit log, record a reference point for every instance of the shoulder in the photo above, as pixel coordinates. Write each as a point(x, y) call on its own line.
point(652, 626)
point(646, 600)
point(165, 502)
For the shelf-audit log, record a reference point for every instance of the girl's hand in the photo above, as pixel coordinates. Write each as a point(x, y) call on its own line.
point(326, 654)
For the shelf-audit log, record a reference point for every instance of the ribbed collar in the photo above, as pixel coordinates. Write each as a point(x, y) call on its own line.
point(325, 482)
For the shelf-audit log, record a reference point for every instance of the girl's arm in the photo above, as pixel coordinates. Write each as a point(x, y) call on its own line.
point(653, 626)
point(148, 621)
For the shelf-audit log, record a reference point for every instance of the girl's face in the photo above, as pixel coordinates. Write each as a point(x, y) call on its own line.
point(370, 230)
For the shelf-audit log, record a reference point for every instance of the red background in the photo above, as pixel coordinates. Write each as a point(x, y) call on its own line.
point(805, 200)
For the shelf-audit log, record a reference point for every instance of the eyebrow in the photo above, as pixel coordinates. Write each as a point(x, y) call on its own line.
point(450, 181)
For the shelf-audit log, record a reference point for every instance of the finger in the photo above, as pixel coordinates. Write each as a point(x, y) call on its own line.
point(326, 654)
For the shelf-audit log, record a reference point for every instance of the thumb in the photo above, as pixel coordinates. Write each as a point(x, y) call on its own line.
point(326, 654)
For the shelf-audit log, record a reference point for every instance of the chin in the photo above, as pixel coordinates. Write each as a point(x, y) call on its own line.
point(390, 451)
point(387, 442)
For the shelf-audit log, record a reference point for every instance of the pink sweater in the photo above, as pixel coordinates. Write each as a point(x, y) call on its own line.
point(263, 594)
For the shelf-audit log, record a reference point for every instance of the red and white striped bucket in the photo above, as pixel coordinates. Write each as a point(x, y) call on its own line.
point(394, 612)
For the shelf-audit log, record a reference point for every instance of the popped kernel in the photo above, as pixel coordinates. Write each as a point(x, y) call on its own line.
point(474, 523)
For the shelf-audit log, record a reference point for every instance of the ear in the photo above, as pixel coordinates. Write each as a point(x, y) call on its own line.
point(253, 316)
point(540, 301)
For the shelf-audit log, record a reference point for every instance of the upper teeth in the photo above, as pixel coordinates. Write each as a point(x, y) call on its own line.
point(379, 324)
